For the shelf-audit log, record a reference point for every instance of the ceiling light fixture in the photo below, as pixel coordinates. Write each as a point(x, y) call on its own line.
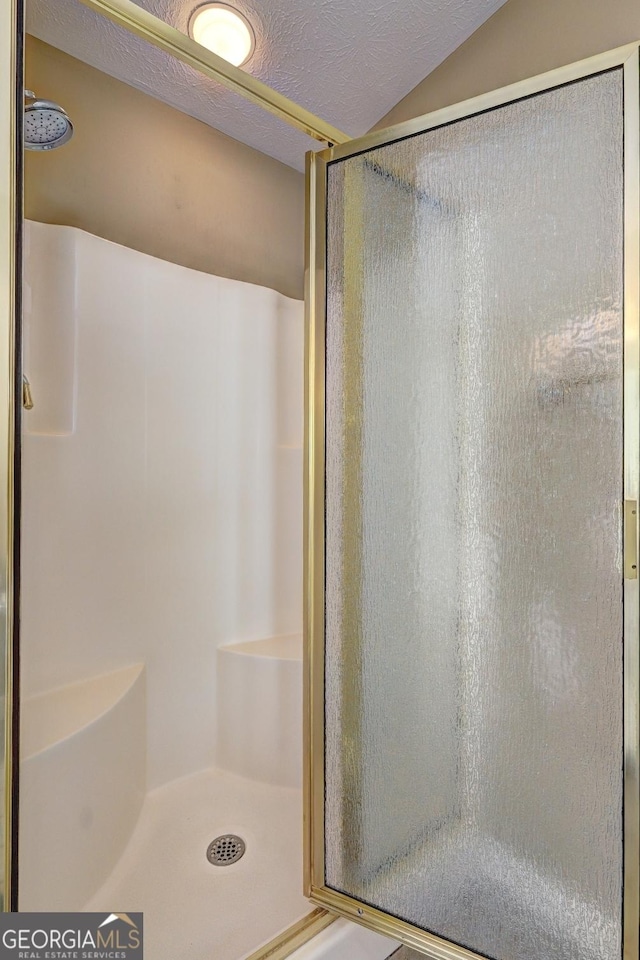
point(224, 31)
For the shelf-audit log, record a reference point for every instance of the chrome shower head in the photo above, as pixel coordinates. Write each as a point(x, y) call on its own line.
point(46, 125)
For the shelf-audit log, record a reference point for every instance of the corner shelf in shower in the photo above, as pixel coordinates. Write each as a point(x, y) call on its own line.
point(259, 702)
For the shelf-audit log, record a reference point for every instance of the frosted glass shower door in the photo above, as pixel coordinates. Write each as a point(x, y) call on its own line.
point(473, 683)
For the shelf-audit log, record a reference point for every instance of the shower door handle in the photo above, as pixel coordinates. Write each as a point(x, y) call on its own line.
point(631, 539)
point(27, 399)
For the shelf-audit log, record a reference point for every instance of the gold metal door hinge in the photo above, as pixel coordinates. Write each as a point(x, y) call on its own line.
point(631, 539)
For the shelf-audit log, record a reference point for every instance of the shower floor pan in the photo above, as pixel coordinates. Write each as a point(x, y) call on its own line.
point(193, 909)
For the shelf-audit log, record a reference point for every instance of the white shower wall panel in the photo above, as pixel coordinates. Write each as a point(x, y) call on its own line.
point(162, 518)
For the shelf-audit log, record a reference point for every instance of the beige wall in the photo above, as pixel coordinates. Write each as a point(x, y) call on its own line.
point(524, 38)
point(147, 176)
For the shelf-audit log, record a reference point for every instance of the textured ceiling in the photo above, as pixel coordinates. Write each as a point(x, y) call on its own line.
point(348, 62)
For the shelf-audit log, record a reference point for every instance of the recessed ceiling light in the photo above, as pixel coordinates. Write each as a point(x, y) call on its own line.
point(224, 31)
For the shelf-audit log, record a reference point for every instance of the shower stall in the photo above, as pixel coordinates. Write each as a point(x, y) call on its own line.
point(468, 785)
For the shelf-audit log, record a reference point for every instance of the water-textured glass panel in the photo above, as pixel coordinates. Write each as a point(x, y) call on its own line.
point(473, 527)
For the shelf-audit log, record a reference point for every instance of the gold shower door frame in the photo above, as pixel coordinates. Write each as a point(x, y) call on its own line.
point(10, 225)
point(435, 947)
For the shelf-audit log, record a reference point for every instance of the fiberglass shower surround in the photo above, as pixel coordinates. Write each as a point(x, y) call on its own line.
point(162, 519)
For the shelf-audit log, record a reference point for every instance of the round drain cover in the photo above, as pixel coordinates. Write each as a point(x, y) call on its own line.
point(225, 850)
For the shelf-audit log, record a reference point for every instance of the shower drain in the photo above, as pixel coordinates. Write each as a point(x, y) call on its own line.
point(225, 850)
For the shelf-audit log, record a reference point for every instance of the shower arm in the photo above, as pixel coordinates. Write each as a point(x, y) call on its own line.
point(143, 24)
